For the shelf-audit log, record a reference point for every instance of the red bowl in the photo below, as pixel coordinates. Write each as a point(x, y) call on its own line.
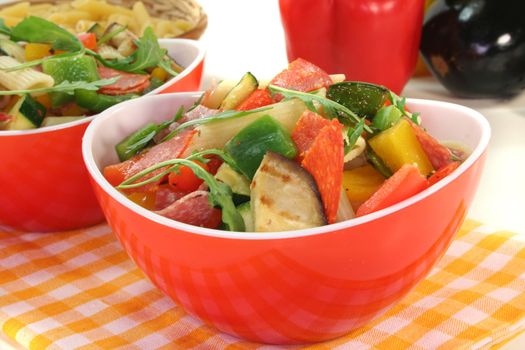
point(44, 181)
point(297, 286)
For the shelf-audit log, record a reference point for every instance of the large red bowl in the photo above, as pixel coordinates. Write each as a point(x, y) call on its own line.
point(44, 184)
point(298, 286)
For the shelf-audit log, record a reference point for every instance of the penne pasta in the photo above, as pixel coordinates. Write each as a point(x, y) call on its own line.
point(17, 10)
point(24, 79)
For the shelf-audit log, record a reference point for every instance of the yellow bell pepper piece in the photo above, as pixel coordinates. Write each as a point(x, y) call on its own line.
point(160, 74)
point(44, 100)
point(398, 145)
point(361, 183)
point(36, 51)
point(144, 199)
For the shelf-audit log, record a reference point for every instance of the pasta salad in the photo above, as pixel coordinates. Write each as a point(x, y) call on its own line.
point(49, 76)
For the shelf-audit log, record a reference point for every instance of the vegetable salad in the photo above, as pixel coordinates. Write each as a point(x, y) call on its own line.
point(49, 76)
point(303, 150)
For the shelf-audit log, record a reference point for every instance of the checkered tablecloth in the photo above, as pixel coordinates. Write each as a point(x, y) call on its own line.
point(80, 290)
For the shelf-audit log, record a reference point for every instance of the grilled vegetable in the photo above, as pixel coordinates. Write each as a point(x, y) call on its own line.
point(250, 145)
point(240, 92)
point(284, 196)
point(362, 98)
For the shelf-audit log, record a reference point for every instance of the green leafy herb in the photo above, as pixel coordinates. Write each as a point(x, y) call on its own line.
point(4, 29)
point(166, 65)
point(108, 36)
point(220, 194)
point(230, 114)
point(38, 30)
point(65, 86)
point(329, 105)
point(353, 135)
point(147, 55)
point(400, 103)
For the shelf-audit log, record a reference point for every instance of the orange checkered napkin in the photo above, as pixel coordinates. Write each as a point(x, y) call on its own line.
point(79, 290)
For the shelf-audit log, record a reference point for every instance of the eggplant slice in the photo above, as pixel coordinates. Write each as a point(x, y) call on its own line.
point(284, 196)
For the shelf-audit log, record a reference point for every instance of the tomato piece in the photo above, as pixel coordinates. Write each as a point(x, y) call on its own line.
point(89, 40)
point(184, 179)
point(258, 98)
point(405, 183)
point(214, 163)
point(443, 172)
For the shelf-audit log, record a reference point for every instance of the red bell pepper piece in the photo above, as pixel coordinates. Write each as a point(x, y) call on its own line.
point(258, 98)
point(405, 183)
point(368, 40)
point(89, 40)
point(443, 172)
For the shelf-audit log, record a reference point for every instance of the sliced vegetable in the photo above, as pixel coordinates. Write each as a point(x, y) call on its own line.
point(89, 40)
point(237, 182)
point(135, 142)
point(98, 102)
point(50, 121)
point(14, 50)
point(284, 196)
point(325, 160)
point(25, 114)
point(245, 209)
point(246, 86)
point(364, 99)
point(213, 99)
point(399, 145)
point(405, 183)
point(361, 183)
point(378, 163)
point(183, 179)
point(79, 68)
point(258, 98)
point(249, 146)
point(96, 29)
point(36, 51)
point(386, 117)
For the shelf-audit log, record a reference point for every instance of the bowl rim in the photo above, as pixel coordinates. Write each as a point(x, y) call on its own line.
point(201, 52)
point(99, 179)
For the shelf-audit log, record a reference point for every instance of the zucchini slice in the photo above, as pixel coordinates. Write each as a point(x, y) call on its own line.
point(97, 30)
point(284, 196)
point(214, 98)
point(240, 92)
point(237, 182)
point(245, 210)
point(364, 99)
point(27, 114)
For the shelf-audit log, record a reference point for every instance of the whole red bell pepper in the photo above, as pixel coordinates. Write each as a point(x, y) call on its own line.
point(368, 40)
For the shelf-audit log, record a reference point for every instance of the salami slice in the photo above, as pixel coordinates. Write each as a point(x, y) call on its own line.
point(438, 155)
point(165, 196)
point(302, 75)
point(306, 130)
point(127, 82)
point(173, 148)
point(193, 209)
point(324, 160)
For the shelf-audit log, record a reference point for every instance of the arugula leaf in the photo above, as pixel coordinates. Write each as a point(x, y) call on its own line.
point(65, 86)
point(3, 28)
point(332, 106)
point(148, 54)
point(220, 194)
point(38, 30)
point(400, 103)
point(108, 36)
point(353, 135)
point(230, 114)
point(166, 65)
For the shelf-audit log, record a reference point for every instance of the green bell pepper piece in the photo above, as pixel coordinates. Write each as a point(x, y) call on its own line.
point(249, 146)
point(135, 142)
point(97, 103)
point(77, 68)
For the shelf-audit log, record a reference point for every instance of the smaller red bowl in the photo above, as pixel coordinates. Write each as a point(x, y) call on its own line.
point(43, 179)
point(295, 286)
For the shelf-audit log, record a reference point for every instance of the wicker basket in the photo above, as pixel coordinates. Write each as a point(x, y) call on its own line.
point(188, 10)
